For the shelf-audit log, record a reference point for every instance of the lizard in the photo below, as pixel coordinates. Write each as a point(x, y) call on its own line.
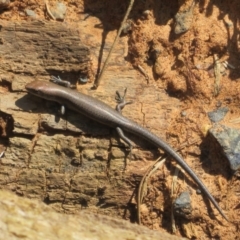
point(103, 113)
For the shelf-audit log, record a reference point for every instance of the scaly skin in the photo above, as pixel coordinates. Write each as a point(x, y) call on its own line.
point(101, 112)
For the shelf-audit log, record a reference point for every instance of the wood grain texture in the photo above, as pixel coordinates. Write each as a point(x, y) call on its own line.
point(71, 162)
point(39, 48)
point(21, 218)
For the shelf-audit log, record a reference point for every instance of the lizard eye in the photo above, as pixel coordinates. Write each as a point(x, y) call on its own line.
point(37, 92)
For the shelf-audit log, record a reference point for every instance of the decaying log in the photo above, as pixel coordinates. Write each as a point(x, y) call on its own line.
point(38, 48)
point(22, 218)
point(71, 162)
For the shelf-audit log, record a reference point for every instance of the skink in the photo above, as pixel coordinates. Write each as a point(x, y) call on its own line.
point(102, 113)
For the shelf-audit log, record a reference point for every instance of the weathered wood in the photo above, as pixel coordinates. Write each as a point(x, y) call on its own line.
point(39, 48)
point(57, 159)
point(21, 218)
point(86, 175)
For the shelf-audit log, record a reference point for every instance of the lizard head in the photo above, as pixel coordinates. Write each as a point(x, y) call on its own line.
point(43, 89)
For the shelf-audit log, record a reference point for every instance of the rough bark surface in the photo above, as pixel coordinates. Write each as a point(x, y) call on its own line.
point(71, 162)
point(22, 218)
point(38, 48)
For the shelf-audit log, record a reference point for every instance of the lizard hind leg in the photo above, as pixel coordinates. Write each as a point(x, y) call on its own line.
point(125, 139)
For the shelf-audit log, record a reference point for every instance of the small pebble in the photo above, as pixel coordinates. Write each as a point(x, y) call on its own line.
point(182, 205)
point(30, 13)
point(229, 141)
point(183, 20)
point(127, 27)
point(83, 79)
point(218, 115)
point(198, 191)
point(146, 13)
point(59, 11)
point(183, 113)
